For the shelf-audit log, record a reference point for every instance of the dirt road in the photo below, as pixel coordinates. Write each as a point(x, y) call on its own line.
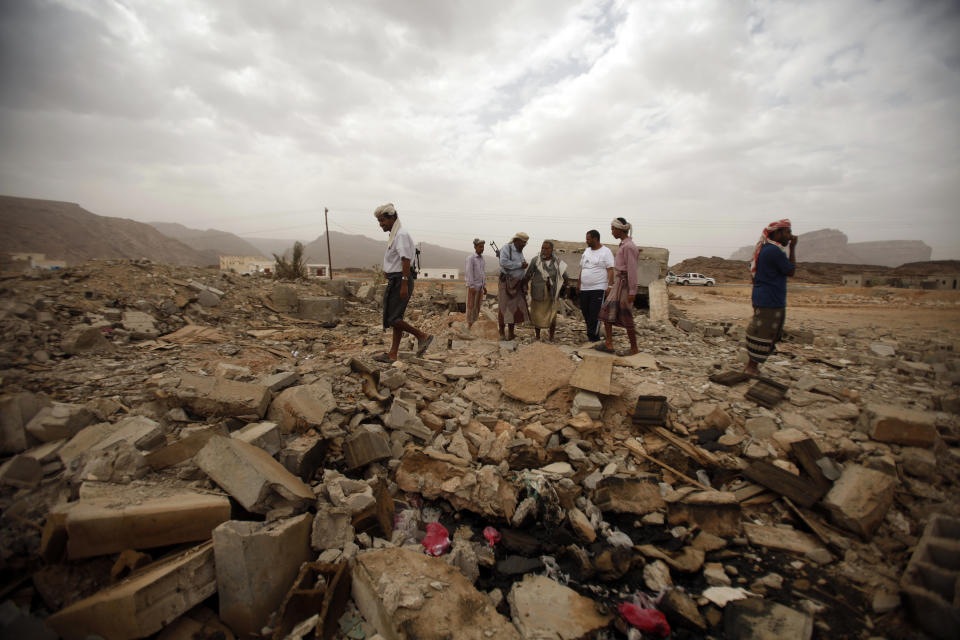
point(900, 311)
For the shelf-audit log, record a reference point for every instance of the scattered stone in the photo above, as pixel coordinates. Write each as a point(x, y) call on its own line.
point(542, 608)
point(58, 421)
point(535, 371)
point(265, 435)
point(656, 575)
point(257, 481)
point(145, 602)
point(256, 564)
point(21, 471)
point(210, 396)
point(756, 619)
point(623, 495)
point(458, 373)
point(888, 423)
point(303, 407)
point(85, 339)
point(860, 499)
point(390, 588)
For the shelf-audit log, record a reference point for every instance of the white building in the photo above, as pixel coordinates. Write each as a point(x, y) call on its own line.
point(318, 270)
point(246, 264)
point(437, 273)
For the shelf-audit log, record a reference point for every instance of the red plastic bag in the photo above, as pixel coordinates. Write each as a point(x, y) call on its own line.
point(492, 536)
point(437, 540)
point(646, 620)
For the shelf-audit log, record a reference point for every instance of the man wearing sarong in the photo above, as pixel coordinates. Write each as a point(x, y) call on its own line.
point(596, 276)
point(547, 276)
point(476, 281)
point(769, 270)
point(617, 307)
point(400, 276)
point(512, 290)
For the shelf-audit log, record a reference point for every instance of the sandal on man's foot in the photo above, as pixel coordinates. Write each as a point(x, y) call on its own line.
point(422, 348)
point(603, 348)
point(383, 357)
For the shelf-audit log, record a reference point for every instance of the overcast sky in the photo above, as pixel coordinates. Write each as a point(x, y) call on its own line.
point(698, 121)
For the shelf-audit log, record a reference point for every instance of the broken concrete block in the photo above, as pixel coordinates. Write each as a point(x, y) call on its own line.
point(681, 610)
point(403, 416)
point(406, 594)
point(484, 491)
point(257, 481)
point(464, 373)
point(207, 298)
point(580, 524)
point(782, 539)
point(257, 563)
point(300, 408)
point(60, 420)
point(230, 371)
point(85, 339)
point(21, 471)
point(209, 396)
point(756, 619)
point(284, 298)
point(587, 402)
point(627, 495)
point(145, 602)
point(761, 427)
point(593, 374)
point(303, 455)
point(859, 500)
point(110, 525)
point(367, 444)
point(332, 528)
point(101, 435)
point(921, 463)
point(716, 512)
point(279, 381)
point(929, 584)
point(140, 325)
point(542, 608)
point(323, 309)
point(889, 423)
point(186, 447)
point(535, 371)
point(265, 435)
point(16, 411)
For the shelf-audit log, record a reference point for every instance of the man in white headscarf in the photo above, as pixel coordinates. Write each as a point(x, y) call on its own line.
point(617, 308)
point(547, 276)
point(400, 276)
point(512, 289)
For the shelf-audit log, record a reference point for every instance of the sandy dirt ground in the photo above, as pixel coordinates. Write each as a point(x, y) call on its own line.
point(893, 311)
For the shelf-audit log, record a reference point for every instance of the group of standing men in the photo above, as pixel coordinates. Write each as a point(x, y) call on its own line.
point(606, 288)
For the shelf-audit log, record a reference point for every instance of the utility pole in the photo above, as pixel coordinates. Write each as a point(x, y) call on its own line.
point(329, 259)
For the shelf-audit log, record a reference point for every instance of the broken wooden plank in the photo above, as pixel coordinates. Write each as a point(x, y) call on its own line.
point(800, 490)
point(807, 453)
point(593, 374)
point(704, 457)
point(637, 449)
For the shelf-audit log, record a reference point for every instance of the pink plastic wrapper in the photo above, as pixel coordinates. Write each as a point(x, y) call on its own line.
point(492, 536)
point(437, 540)
point(646, 620)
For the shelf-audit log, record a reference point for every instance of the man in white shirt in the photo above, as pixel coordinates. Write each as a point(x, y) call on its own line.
point(476, 281)
point(596, 275)
point(396, 267)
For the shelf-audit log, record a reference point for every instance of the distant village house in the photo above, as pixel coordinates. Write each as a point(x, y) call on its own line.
point(38, 261)
point(258, 264)
point(439, 274)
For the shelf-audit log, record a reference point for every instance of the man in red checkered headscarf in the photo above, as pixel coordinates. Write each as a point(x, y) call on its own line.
point(773, 262)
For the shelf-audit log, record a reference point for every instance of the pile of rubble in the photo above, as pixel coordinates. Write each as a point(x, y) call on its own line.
point(204, 455)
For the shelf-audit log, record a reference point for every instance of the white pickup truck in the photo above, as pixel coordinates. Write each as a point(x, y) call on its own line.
point(695, 278)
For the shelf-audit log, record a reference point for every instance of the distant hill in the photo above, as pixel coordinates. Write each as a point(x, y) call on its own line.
point(269, 246)
point(66, 231)
point(831, 245)
point(359, 251)
point(211, 242)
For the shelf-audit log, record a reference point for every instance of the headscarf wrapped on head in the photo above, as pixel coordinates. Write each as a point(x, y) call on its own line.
point(765, 239)
point(477, 241)
point(390, 211)
point(623, 226)
point(520, 235)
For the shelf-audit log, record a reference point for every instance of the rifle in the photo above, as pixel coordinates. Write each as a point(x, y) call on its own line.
point(496, 249)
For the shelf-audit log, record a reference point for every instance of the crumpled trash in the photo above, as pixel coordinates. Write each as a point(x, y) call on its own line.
point(492, 535)
point(646, 620)
point(437, 540)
